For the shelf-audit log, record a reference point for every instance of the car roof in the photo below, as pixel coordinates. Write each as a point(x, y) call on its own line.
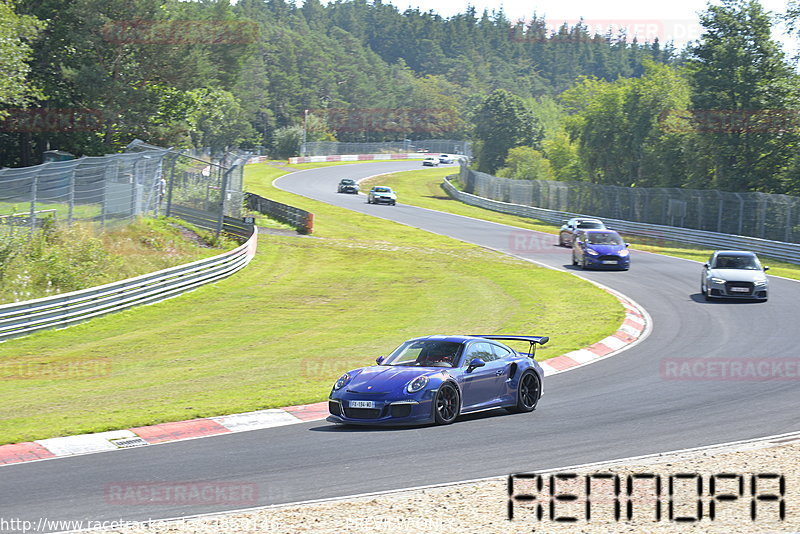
point(735, 252)
point(458, 338)
point(598, 231)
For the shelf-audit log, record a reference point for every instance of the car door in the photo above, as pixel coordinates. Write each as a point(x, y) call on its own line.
point(577, 247)
point(566, 232)
point(480, 387)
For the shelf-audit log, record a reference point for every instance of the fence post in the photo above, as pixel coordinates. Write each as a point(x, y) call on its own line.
point(34, 186)
point(71, 196)
point(223, 192)
point(171, 185)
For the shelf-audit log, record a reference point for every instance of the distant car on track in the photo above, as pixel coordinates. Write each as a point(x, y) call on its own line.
point(434, 379)
point(430, 162)
point(380, 194)
point(735, 274)
point(347, 185)
point(445, 158)
point(566, 234)
point(601, 249)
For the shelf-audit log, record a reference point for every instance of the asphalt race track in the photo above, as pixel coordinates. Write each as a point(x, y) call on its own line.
point(619, 407)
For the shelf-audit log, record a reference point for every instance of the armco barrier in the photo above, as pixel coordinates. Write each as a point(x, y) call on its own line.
point(23, 318)
point(789, 252)
point(300, 219)
point(210, 221)
point(358, 157)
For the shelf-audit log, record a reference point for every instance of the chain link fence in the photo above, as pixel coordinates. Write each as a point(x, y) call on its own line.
point(762, 215)
point(444, 146)
point(144, 181)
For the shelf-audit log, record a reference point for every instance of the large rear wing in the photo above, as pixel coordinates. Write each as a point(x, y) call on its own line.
point(533, 340)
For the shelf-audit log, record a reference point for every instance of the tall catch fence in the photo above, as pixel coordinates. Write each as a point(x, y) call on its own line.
point(108, 189)
point(443, 146)
point(760, 215)
point(146, 181)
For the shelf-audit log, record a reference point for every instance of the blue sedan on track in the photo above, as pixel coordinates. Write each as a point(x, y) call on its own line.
point(600, 249)
point(434, 379)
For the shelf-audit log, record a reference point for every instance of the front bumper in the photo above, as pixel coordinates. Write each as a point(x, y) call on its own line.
point(383, 200)
point(385, 412)
point(737, 290)
point(608, 262)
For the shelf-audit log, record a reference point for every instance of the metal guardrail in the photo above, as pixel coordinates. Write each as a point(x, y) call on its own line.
point(22, 318)
point(210, 221)
point(789, 252)
point(300, 219)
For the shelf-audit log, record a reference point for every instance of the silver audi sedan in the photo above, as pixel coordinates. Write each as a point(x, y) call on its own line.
point(734, 274)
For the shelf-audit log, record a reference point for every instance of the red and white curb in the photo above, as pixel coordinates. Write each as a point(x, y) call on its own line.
point(358, 157)
point(633, 330)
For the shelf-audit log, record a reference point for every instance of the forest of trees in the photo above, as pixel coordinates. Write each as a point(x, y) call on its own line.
point(88, 77)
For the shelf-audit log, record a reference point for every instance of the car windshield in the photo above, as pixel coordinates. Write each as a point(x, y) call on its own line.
point(382, 190)
point(348, 182)
point(425, 353)
point(590, 224)
point(603, 238)
point(730, 261)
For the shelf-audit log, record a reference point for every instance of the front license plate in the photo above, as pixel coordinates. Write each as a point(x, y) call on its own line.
point(740, 289)
point(609, 262)
point(362, 404)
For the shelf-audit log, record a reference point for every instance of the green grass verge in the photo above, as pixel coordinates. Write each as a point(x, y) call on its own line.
point(59, 259)
point(280, 331)
point(423, 188)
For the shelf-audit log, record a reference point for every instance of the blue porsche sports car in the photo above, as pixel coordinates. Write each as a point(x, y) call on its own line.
point(434, 379)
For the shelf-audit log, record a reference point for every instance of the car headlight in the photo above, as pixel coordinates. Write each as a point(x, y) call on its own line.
point(342, 382)
point(417, 384)
point(717, 280)
point(592, 252)
point(623, 253)
point(761, 283)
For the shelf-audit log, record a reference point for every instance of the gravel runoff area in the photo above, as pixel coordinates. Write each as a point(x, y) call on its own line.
point(483, 506)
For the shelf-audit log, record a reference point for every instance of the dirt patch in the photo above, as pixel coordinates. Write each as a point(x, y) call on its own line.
point(190, 235)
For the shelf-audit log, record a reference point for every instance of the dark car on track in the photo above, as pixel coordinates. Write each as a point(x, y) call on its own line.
point(734, 274)
point(600, 249)
point(434, 379)
point(566, 235)
point(347, 185)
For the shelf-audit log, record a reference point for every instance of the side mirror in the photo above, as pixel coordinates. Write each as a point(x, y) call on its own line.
point(379, 359)
point(474, 364)
point(766, 268)
point(627, 245)
point(706, 265)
